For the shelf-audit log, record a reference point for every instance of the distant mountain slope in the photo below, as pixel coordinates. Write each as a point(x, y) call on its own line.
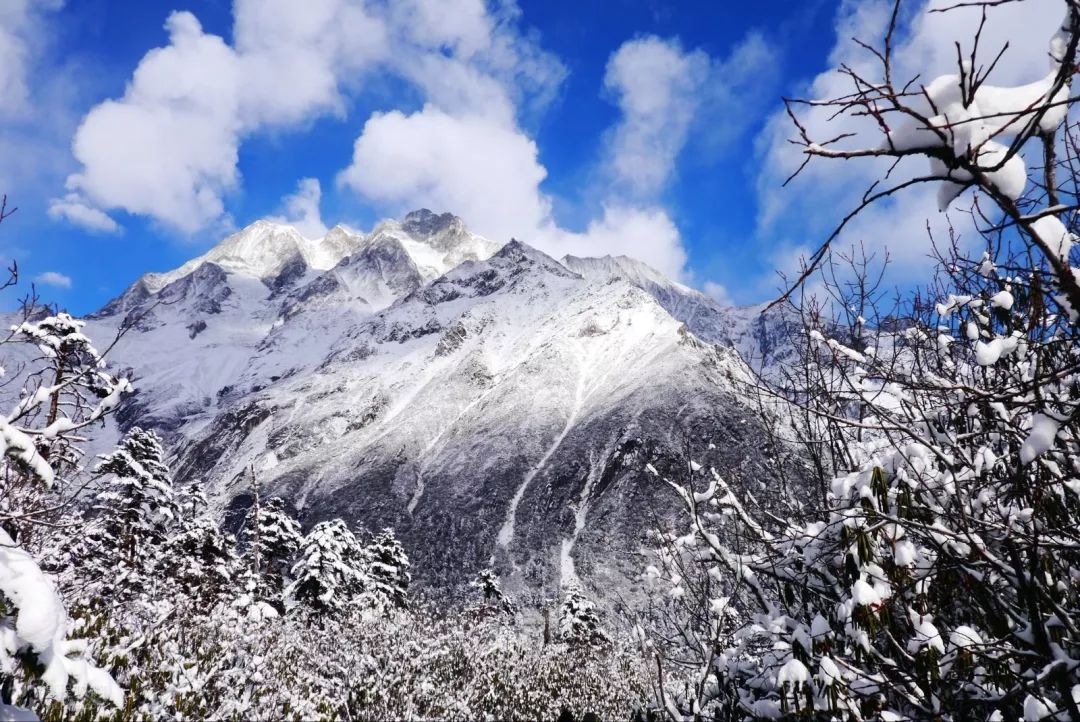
point(492, 404)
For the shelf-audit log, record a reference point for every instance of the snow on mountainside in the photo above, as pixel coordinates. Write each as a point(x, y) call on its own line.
point(490, 404)
point(436, 243)
point(762, 339)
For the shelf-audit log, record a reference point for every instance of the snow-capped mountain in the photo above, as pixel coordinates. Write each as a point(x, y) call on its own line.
point(490, 404)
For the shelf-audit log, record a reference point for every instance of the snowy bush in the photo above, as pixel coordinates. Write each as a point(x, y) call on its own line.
point(63, 388)
point(939, 576)
point(297, 627)
point(930, 567)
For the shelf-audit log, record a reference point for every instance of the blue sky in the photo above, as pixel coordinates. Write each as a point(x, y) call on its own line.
point(625, 126)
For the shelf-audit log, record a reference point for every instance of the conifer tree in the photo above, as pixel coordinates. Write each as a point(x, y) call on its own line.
point(579, 622)
point(191, 502)
point(137, 505)
point(271, 539)
point(134, 514)
point(388, 569)
point(275, 535)
point(487, 583)
point(201, 559)
point(330, 573)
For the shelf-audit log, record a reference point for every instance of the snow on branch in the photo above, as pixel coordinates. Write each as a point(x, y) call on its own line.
point(973, 134)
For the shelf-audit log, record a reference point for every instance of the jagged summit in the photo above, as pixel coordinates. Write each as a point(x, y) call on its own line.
point(425, 223)
point(637, 272)
point(261, 249)
point(435, 242)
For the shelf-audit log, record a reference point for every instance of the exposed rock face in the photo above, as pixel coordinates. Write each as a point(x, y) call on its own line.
point(491, 404)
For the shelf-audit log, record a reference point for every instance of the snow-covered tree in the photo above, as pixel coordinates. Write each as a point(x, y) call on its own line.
point(201, 559)
point(579, 620)
point(487, 584)
point(937, 577)
point(137, 505)
point(65, 388)
point(330, 572)
point(930, 571)
point(272, 536)
point(388, 569)
point(191, 502)
point(972, 135)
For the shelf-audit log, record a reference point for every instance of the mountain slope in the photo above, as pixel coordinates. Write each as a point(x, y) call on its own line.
point(502, 410)
point(762, 339)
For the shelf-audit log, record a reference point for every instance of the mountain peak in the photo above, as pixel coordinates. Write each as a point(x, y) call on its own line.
point(260, 249)
point(423, 222)
point(340, 230)
point(637, 272)
point(518, 252)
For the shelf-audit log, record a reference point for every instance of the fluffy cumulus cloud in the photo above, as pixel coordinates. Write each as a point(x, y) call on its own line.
point(302, 209)
point(486, 171)
point(73, 210)
point(54, 279)
point(168, 148)
point(296, 59)
point(462, 26)
point(809, 208)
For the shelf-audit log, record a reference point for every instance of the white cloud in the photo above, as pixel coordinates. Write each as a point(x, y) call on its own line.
point(13, 54)
point(168, 149)
point(37, 100)
point(302, 209)
point(669, 95)
point(463, 27)
point(742, 86)
point(296, 57)
point(657, 86)
point(811, 206)
point(645, 233)
point(717, 292)
point(21, 24)
point(52, 278)
point(480, 169)
point(70, 208)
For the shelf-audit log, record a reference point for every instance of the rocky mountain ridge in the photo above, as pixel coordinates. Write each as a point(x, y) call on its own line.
point(492, 404)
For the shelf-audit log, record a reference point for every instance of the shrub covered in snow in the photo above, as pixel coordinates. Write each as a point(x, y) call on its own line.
point(64, 388)
point(931, 567)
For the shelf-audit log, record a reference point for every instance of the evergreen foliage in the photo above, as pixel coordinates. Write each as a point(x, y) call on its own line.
point(388, 569)
point(579, 620)
point(487, 584)
point(330, 573)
